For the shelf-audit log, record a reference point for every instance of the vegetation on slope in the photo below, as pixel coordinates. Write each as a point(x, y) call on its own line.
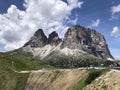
point(108, 81)
point(18, 60)
point(61, 60)
point(92, 75)
point(10, 80)
point(24, 61)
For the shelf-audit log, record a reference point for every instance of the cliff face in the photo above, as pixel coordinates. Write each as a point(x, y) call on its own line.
point(87, 40)
point(76, 38)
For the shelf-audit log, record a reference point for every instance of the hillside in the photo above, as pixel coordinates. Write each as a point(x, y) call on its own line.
point(10, 80)
point(108, 81)
point(74, 79)
point(54, 80)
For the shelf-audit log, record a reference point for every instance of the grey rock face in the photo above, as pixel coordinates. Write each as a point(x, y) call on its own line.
point(87, 40)
point(77, 37)
point(38, 40)
point(54, 39)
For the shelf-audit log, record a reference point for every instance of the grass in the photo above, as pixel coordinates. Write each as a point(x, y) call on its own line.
point(80, 85)
point(24, 61)
point(18, 60)
point(91, 76)
point(10, 80)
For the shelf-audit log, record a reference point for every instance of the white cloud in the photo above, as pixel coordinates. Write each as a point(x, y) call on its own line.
point(74, 3)
point(115, 32)
point(115, 12)
point(16, 26)
point(117, 57)
point(115, 9)
point(95, 23)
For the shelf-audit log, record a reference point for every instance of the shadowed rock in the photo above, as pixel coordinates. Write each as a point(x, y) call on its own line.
point(54, 39)
point(38, 40)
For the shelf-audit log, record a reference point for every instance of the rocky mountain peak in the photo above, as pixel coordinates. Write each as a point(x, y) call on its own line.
point(39, 33)
point(76, 37)
point(39, 39)
point(90, 41)
point(54, 39)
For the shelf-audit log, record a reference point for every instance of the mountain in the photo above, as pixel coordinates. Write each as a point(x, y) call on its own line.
point(79, 44)
point(38, 40)
point(87, 40)
point(35, 66)
point(54, 39)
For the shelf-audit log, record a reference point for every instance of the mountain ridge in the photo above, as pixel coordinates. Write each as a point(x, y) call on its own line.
point(80, 47)
point(77, 37)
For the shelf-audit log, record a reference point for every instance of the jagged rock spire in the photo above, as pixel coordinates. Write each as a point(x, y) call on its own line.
point(54, 39)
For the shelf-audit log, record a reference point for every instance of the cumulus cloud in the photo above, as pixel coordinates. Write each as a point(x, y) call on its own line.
point(115, 11)
point(95, 23)
point(17, 26)
point(115, 32)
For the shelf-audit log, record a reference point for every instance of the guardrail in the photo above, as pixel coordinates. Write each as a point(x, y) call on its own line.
point(118, 68)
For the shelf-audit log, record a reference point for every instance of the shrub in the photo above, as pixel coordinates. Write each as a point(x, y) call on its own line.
point(94, 74)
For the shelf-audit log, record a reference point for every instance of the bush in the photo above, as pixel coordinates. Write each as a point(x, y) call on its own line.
point(94, 74)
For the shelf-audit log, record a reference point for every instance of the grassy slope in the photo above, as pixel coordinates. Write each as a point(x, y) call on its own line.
point(9, 80)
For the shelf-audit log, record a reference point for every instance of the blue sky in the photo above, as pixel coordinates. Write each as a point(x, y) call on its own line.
point(21, 18)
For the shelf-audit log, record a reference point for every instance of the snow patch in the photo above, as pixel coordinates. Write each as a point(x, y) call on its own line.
point(110, 59)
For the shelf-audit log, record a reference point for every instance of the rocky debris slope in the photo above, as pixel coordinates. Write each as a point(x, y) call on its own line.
point(77, 38)
point(109, 81)
point(54, 80)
